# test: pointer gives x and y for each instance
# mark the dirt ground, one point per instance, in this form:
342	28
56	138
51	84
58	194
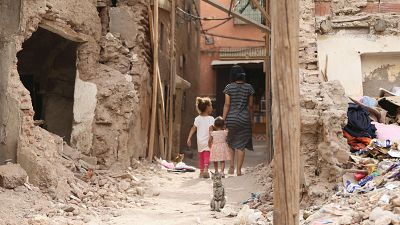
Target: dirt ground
184	198
168	198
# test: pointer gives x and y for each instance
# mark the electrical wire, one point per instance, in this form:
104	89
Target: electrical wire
198	15
218	25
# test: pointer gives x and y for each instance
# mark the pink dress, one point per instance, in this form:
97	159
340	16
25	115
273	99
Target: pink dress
219	148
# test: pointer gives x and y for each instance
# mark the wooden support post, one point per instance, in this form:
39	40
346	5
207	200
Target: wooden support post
172	81
268	89
161	116
286	111
154	94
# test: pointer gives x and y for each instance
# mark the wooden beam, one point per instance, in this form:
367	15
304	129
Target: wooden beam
268	96
238	15
154	93
171	81
286	111
262	10
160	94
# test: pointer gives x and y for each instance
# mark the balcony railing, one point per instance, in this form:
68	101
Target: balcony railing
242	53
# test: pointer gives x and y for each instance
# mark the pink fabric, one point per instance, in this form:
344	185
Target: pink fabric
219	149
387	132
204	159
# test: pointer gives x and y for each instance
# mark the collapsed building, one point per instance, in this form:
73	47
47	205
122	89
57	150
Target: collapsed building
347	48
78	74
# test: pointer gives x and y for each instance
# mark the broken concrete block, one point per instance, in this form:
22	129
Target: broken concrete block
12	176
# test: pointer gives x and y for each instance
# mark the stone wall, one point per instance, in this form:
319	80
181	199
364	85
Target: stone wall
323	114
111	93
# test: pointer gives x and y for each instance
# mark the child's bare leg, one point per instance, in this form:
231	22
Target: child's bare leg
216	167
222	166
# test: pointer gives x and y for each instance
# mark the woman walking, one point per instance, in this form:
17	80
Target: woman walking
238	114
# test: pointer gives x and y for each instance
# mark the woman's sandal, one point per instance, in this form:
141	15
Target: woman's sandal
231	171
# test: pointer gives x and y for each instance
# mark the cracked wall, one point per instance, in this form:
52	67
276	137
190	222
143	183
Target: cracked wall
112	79
324	103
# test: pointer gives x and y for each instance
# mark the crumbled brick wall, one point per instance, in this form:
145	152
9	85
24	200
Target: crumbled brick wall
323	113
117	131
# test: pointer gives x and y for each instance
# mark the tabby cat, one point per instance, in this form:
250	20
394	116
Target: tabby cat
218	201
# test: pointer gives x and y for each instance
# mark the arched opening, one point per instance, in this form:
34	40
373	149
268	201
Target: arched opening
47	68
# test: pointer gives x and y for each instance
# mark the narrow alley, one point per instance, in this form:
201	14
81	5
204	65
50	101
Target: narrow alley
113	111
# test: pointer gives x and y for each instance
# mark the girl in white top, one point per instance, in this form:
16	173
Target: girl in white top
202	125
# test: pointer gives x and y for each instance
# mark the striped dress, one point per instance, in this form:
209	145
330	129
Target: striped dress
238	119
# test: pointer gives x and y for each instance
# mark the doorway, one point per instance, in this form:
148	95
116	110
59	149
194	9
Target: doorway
47	68
254	76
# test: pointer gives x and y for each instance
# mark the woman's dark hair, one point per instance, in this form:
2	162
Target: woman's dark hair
202	104
219	122
237	74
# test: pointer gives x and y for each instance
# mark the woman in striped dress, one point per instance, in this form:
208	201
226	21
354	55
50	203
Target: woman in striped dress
238	110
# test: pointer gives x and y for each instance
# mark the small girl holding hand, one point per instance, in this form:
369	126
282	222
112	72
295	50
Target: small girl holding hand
219	146
202	125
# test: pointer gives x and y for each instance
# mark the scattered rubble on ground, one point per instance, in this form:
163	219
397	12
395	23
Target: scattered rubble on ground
92	194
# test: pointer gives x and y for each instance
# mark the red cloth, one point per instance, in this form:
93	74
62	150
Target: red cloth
356	143
204	159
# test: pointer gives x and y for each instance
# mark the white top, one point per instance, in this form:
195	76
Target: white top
203	124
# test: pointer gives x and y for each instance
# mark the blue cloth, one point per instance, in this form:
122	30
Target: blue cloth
368	101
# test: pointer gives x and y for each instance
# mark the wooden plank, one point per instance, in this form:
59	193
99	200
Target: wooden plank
161	109
171	81
160	93
238	15
286	111
268	97
154	93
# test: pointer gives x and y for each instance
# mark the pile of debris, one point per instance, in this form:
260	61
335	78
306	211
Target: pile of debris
368	194
92	191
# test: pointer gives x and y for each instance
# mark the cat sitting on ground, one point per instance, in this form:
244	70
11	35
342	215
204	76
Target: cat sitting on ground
218	200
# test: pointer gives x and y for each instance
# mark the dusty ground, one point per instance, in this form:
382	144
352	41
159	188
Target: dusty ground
168	199
184	198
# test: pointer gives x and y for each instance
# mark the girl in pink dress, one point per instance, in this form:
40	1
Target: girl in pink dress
219	146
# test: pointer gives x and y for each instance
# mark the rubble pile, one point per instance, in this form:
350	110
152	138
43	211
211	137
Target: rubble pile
91	193
380	205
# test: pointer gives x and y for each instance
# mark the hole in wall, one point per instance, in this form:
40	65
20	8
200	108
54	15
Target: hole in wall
47	68
114	3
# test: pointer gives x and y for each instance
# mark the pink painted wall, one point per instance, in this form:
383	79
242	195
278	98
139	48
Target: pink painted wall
210	52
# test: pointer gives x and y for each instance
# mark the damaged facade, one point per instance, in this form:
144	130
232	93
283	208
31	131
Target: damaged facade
346	48
76	73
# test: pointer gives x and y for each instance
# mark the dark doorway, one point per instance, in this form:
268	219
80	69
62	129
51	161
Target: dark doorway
47	68
256	77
